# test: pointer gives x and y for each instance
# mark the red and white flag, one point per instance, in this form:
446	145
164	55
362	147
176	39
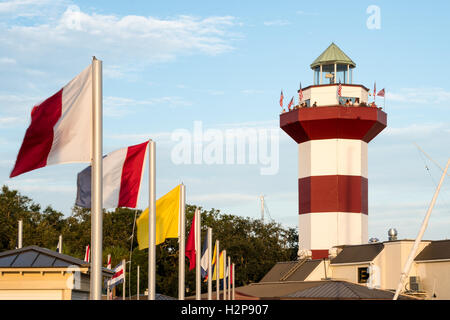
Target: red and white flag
119	275
108	262
374	90
300	94
281	99
123	170
339	89
61	128
381	93
87	254
291	103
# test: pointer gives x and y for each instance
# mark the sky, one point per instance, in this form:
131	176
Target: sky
177	68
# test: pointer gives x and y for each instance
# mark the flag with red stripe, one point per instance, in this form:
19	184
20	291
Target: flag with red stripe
381	93
60	129
340	89
122	175
300	93
87	254
291	103
281	99
119	275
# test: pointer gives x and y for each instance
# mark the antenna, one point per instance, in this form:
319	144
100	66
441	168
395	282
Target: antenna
261	197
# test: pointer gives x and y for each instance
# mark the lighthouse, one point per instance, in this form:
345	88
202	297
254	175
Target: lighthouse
332	126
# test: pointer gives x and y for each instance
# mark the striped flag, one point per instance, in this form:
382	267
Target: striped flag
381	93
60	129
291	103
374	90
339	89
204	259
281	99
87	254
122	176
108	262
300	94
119	275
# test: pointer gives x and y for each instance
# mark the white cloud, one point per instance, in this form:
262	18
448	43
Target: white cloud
278	23
120	39
422	96
7	61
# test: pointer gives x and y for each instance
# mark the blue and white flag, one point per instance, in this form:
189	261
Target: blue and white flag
204	258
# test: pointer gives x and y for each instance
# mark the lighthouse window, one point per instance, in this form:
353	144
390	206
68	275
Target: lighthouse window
328	74
341	73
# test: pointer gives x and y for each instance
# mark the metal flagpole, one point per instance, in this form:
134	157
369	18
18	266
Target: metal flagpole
412	254
60	243
198	252
96	182
224	274
182	246
124	266
19	234
152	222
209	263
229	279
234	276
137	294
217	270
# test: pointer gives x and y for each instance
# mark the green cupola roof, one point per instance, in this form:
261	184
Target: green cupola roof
333	55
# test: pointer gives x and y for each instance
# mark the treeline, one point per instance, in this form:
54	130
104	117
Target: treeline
252	245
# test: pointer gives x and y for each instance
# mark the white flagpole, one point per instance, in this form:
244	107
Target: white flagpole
124	266
182	245
217	270
224	274
412	254
234	277
96	183
209	263
229	279
152	222
60	244
198	252
137	294
19	234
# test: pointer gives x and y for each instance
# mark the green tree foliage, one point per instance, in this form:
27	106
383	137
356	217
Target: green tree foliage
253	246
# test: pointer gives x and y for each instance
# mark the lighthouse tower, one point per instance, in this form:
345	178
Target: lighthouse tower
332	129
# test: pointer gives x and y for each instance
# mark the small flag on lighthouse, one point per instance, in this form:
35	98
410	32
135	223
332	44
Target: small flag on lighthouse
381	93
87	254
281	99
291	103
60	129
374	90
339	89
300	94
122	175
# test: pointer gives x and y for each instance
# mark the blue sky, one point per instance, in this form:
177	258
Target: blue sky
170	63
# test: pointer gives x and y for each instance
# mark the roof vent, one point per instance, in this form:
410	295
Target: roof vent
392	234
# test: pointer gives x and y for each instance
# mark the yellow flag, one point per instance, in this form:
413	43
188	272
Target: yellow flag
167	216
221	268
214	254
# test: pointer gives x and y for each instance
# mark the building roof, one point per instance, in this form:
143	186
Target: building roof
37	257
358	253
325	289
280	269
436	250
333	55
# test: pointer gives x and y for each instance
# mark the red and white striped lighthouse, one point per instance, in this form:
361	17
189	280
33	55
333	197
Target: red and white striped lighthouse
333	126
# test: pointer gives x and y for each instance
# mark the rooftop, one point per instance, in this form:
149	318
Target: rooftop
333	54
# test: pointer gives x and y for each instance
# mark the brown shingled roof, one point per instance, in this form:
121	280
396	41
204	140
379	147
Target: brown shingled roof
358	253
436	250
